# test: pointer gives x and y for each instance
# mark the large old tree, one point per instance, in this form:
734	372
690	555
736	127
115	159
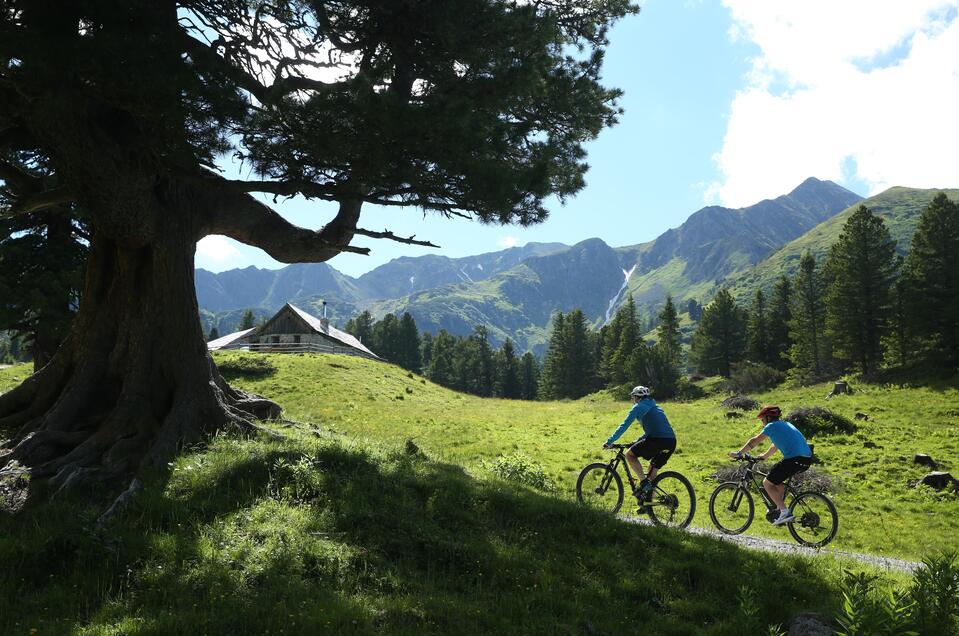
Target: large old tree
475	108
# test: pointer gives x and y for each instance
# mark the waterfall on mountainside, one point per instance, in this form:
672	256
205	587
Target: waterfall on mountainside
615	298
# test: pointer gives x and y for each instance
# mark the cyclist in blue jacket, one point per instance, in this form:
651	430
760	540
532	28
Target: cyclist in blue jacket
657	443
797	456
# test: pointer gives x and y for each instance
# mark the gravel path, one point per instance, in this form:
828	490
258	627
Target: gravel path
789	547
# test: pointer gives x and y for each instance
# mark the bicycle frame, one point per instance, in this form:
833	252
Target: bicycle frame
751	475
621	459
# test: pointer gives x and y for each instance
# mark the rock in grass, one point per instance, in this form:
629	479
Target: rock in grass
938	480
925	460
861	416
732	415
810	624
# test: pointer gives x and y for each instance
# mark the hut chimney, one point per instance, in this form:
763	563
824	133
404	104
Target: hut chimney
324	321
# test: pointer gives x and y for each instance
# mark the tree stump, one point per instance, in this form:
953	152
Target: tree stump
839	388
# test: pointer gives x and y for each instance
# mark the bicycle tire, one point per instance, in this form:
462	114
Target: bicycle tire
595	477
809	519
668	499
735	499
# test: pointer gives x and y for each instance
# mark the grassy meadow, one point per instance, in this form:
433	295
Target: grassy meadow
342	527
879	514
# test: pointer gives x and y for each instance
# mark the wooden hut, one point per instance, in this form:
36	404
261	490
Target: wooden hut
293	330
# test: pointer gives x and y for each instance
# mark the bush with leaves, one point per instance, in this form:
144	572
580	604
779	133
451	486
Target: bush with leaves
521	469
752	376
815	420
740	402
246	367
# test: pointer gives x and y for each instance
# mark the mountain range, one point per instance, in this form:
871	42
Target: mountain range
514	292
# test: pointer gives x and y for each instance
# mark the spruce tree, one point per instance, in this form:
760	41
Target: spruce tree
758	342
623	347
720	339
932	272
900	342
426	350
508	372
409	344
809	348
669	338
780	314
694	309
580	376
442	367
861	270
529	377
556	361
214	334
247	321
361	327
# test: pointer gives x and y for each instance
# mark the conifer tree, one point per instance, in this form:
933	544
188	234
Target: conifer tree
758	341
362	328
932	272
508	372
900	343
247	320
861	270
625	337
720	339
409	344
442	367
579	377
556	361
426	350
529	377
808	352
669	339
780	313
694	309
214	334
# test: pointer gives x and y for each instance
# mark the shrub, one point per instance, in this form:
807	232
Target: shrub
816	420
753	376
520	469
741	402
813	479
246	367
935	592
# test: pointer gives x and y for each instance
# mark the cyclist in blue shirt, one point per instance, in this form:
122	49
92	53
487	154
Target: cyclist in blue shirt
657	443
797	456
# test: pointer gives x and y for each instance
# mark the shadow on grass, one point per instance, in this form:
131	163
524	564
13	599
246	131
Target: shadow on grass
316	536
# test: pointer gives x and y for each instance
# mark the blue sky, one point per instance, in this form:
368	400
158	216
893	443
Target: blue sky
727	102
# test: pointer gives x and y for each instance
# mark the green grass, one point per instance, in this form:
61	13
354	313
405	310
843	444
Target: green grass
338	529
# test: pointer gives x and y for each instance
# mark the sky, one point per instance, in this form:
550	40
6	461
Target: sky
727	102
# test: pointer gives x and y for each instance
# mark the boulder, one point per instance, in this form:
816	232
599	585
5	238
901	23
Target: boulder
732	415
809	624
868	444
925	460
861	416
938	480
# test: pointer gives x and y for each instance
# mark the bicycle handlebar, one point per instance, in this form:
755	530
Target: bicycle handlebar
746	457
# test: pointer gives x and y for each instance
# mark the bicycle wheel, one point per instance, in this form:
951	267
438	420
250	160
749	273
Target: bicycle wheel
673	503
731	508
600	488
816	519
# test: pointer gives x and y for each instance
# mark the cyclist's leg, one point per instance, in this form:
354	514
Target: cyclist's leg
635	464
776	492
665	449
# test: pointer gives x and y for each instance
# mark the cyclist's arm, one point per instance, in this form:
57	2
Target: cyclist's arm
752	443
622	427
769	453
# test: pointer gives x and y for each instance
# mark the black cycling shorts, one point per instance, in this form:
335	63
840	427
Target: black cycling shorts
787	468
655	449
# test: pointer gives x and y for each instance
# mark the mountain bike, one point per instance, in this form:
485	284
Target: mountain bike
732	509
671	503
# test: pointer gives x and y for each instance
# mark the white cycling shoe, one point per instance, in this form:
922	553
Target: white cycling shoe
785	516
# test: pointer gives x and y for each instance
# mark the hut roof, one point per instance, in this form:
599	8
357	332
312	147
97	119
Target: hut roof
223	341
330	331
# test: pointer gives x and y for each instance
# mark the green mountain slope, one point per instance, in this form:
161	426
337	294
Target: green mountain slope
899	207
342	527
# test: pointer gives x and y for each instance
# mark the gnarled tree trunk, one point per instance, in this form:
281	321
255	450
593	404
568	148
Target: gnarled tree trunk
133	381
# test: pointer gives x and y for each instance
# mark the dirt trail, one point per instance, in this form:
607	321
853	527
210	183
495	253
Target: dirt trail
788	547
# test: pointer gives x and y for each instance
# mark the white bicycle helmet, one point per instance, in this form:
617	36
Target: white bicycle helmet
639	391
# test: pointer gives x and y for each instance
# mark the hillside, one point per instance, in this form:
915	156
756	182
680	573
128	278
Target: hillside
326	532
514	292
899	207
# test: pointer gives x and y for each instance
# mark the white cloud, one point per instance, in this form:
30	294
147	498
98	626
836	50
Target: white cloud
217	249
507	241
859	89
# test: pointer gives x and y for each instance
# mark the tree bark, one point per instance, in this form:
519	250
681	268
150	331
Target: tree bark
133	381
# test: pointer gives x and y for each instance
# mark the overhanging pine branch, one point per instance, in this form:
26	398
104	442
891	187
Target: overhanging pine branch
392	237
41	201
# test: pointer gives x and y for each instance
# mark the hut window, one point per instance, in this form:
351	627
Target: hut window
296	339
274	340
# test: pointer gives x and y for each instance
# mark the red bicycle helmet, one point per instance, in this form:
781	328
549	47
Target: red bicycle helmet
774	411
